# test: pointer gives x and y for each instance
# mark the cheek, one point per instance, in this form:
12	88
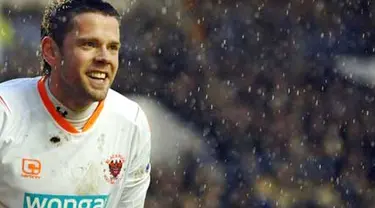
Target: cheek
82	57
73	66
80	61
116	61
116	64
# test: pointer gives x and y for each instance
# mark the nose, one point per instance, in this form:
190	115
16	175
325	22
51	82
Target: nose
103	55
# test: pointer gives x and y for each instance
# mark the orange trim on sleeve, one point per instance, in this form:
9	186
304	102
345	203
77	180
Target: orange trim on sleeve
59	118
4	104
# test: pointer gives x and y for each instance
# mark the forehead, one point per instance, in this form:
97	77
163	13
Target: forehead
95	24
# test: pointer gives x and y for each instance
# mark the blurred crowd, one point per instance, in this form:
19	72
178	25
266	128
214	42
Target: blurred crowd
260	81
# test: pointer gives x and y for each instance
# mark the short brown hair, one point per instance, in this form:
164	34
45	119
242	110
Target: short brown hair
58	16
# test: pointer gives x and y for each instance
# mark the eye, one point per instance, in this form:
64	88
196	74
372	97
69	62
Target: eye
89	44
114	47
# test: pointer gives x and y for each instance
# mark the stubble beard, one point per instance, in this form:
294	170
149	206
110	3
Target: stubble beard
93	94
80	90
80	93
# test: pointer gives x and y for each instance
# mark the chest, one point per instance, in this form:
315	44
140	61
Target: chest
44	159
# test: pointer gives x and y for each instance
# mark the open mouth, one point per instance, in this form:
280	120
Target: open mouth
97	75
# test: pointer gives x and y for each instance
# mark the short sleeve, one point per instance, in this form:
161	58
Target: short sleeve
138	178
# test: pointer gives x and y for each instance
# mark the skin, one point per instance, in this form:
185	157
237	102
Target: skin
91	46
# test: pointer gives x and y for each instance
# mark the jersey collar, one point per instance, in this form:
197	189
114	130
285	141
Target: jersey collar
60	120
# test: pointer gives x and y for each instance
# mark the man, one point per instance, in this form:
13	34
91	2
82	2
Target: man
66	138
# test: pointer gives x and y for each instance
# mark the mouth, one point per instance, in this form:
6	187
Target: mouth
98	80
97	75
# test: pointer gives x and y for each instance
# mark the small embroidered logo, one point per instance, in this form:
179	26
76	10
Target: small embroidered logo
113	172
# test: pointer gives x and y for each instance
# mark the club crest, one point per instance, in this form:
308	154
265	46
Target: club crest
114	168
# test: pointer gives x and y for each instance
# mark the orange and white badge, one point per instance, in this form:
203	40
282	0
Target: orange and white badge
31	168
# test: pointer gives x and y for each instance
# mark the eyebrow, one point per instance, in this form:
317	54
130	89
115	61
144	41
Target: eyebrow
84	39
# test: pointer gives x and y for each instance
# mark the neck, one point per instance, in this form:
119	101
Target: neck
74	103
77	118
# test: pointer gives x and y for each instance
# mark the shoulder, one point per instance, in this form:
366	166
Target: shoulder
15	97
16	93
127	108
18	83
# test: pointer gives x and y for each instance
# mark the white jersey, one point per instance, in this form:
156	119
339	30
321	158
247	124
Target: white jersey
46	163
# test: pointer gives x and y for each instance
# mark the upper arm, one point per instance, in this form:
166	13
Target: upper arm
137	178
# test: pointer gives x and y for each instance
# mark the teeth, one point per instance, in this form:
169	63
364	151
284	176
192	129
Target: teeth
97	75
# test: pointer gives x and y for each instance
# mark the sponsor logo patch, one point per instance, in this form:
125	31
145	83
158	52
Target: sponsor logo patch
64	201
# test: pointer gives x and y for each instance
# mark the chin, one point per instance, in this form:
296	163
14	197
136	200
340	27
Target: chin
98	96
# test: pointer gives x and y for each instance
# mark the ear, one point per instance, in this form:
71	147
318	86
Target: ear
50	51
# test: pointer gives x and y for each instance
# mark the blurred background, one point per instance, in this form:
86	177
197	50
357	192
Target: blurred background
257	103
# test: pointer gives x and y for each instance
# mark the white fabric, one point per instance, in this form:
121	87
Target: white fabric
73	173
77	119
